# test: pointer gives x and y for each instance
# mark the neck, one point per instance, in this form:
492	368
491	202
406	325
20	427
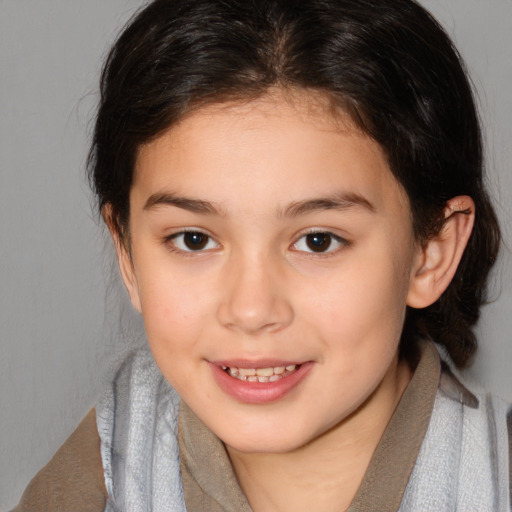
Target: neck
324	474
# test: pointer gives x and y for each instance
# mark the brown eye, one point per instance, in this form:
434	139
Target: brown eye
318	242
193	241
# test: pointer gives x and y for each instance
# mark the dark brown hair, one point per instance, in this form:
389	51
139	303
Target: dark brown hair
387	63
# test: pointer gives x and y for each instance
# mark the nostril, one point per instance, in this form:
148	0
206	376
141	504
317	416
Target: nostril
252	301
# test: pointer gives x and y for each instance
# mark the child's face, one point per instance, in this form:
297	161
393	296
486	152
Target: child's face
298	251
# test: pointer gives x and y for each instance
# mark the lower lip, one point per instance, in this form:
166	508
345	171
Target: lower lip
259	392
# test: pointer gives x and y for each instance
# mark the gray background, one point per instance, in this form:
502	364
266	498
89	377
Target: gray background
60	301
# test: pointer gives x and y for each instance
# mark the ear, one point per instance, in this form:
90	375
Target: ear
124	258
438	260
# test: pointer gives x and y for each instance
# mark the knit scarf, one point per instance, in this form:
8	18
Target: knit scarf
462	465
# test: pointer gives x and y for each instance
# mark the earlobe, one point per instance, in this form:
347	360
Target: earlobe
124	258
438	260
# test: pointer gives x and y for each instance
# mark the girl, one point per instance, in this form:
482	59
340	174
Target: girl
295	194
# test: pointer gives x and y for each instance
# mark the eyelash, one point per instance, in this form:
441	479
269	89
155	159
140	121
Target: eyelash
342	242
170	241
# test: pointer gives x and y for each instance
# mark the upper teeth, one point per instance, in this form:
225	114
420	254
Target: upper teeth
269	374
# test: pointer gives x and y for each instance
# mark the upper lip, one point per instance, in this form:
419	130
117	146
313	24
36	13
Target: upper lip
257	363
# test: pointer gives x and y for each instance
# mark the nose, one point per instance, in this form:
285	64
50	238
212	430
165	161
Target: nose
254	300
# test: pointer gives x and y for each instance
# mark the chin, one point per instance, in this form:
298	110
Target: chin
270	441
277	446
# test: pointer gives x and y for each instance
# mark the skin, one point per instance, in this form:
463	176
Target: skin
257	291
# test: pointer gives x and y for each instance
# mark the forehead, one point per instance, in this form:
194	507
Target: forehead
279	148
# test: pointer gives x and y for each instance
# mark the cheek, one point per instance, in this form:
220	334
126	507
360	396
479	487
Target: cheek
173	308
174	320
367	298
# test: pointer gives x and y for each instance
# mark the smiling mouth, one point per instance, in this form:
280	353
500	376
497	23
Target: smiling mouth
270	374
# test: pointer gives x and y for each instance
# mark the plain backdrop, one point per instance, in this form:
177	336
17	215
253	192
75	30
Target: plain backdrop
61	306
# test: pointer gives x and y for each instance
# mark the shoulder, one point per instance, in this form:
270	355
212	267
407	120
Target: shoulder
475	405
137	421
489	416
464	460
471	431
73	479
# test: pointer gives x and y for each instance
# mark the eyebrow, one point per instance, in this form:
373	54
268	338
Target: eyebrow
338	201
186	203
